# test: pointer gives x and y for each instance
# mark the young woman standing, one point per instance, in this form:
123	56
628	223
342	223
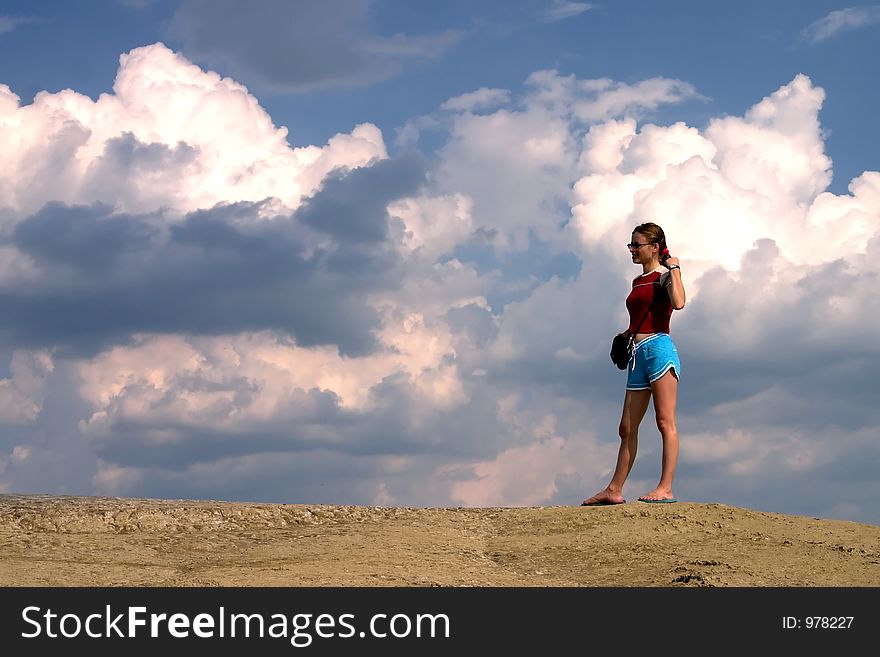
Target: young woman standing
654	368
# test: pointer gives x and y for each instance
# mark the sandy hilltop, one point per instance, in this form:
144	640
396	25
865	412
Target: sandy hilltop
92	541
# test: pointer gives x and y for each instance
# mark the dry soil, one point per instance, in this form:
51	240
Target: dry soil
92	541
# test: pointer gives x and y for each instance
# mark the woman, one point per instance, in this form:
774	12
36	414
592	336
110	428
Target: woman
654	367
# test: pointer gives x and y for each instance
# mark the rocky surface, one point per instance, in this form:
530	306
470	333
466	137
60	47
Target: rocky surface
93	541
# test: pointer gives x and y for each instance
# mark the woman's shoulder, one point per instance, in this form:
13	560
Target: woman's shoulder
650	277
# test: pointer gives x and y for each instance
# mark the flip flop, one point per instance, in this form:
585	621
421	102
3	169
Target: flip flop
602	503
657	501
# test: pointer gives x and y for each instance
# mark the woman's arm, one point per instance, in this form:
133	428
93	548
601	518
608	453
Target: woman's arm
674	284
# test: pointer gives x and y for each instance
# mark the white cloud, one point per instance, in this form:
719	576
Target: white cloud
481	99
743	179
840	21
516	164
169	136
22	394
562	9
249	382
434	225
519	476
607	99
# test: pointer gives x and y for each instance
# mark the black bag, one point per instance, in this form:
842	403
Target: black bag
621	350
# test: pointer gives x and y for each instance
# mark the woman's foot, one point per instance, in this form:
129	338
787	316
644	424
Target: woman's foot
603	498
658	495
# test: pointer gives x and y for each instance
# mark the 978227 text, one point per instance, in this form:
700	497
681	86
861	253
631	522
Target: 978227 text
817	622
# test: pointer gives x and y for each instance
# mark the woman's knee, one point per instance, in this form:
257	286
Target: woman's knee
666	424
626	433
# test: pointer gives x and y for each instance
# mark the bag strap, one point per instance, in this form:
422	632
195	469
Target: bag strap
645	316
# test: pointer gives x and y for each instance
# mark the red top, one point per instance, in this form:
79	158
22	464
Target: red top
644	289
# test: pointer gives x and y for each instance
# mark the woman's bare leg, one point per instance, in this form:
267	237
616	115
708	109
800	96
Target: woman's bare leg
665	390
635	404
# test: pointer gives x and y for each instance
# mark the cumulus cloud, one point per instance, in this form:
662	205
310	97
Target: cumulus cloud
102	276
517	162
122	216
299	45
840	21
144	263
749	177
169	136
194	307
753	187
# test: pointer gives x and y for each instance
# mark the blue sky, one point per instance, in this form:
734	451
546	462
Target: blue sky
370	252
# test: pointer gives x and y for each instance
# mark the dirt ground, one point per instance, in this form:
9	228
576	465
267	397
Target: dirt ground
90	541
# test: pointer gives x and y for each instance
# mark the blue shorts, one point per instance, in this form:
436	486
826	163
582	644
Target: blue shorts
652	358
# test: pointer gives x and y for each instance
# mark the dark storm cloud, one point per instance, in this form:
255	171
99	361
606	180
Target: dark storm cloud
127	161
297	45
311	420
351	208
474	323
87	239
104	276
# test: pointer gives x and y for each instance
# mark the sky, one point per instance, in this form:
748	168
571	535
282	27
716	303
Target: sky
372	251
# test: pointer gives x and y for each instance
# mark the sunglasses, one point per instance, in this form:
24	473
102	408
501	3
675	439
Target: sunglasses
634	246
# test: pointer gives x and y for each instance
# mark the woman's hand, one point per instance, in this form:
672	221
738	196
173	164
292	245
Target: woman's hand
676	285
